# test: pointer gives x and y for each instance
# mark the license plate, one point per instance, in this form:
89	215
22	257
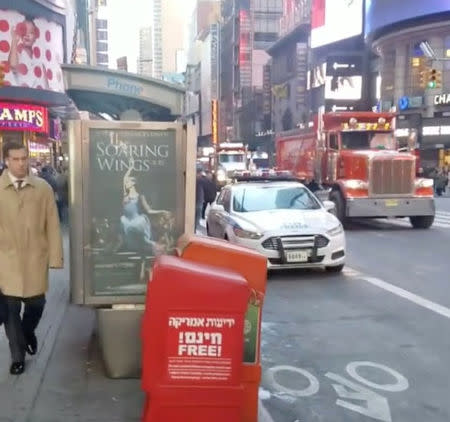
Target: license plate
297	256
391	203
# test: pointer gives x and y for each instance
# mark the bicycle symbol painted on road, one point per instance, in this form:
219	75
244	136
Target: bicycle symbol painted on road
348	391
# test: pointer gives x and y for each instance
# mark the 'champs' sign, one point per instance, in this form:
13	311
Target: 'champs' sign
23	117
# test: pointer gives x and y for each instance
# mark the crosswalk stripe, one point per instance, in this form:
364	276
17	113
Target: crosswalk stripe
439	222
405	223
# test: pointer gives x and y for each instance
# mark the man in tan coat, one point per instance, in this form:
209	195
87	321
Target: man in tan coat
30	244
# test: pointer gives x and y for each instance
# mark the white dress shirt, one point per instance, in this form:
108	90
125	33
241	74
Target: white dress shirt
15	180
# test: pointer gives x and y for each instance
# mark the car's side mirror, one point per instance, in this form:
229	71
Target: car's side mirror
330	206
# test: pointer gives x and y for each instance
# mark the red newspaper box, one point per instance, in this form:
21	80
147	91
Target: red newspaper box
253	266
192	342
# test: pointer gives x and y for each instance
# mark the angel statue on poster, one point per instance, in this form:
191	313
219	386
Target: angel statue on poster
135	222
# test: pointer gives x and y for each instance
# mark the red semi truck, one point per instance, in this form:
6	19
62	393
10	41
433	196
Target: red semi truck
355	155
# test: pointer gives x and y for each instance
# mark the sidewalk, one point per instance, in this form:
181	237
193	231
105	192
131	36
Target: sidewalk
65	381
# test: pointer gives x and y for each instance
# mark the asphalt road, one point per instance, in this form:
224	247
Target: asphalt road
371	344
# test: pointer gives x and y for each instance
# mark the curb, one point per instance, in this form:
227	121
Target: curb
263	414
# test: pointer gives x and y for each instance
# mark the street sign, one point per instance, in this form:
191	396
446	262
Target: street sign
343	105
342	108
442	99
344	66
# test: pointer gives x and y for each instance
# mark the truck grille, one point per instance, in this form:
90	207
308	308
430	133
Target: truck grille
295	242
392	177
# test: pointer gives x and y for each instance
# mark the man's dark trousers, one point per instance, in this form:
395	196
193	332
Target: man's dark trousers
3	309
19	329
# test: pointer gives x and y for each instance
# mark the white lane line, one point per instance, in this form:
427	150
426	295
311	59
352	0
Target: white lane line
405	294
438	222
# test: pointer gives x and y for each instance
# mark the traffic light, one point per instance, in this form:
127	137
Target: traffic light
2	74
438	79
434	79
424	77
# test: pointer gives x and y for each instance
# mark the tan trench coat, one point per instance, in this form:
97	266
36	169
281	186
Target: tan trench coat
30	237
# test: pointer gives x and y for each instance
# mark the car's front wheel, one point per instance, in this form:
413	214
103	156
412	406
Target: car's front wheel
335	268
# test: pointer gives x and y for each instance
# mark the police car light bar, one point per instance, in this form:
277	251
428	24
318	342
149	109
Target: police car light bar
265	176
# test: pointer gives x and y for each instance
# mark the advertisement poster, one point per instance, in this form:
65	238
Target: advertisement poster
343	88
31	50
132	204
328	17
201	349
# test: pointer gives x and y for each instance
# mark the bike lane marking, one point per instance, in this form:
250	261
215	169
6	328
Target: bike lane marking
402	383
351	395
398	291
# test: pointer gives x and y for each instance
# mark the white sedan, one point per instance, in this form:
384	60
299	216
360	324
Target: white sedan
282	220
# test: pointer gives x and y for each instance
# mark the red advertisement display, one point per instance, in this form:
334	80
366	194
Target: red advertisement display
200	348
23	117
192	342
31	50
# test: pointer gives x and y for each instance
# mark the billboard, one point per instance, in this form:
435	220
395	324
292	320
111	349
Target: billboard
32	51
343	87
381	13
20	117
335	20
135	220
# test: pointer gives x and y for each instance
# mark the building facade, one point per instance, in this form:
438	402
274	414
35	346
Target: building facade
145	58
92	34
249	27
403	72
101	39
167	38
202	76
290	101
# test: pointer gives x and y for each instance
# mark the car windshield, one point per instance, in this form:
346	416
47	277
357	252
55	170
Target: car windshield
367	140
256	198
231	158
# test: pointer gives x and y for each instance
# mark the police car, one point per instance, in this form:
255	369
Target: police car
280	218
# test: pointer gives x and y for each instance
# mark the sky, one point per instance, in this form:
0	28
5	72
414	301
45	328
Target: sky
125	18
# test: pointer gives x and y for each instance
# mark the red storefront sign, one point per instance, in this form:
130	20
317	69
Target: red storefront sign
200	348
23	117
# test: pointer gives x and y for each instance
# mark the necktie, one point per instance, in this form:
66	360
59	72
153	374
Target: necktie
19	184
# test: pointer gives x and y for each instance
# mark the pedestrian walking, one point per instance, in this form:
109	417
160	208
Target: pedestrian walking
62	194
30	244
440	182
199	197
210	192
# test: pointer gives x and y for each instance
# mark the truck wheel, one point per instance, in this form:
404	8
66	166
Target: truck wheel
338	200
422	221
